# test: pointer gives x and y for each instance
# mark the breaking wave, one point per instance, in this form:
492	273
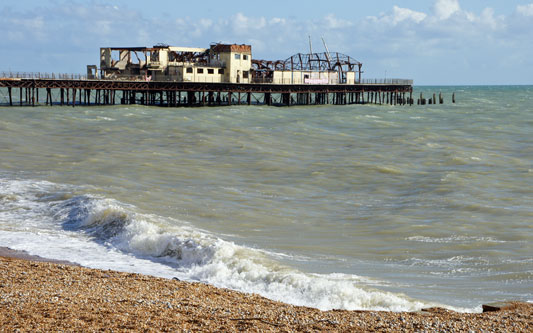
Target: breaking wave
193	254
203	257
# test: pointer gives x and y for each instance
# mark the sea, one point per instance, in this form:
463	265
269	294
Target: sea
357	207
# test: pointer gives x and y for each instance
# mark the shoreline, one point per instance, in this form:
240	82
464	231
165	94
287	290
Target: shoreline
41	294
18	254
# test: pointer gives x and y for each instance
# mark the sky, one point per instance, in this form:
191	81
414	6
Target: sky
433	42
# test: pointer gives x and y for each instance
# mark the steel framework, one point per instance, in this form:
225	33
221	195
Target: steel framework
315	62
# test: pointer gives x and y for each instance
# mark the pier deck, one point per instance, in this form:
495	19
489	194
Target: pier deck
79	91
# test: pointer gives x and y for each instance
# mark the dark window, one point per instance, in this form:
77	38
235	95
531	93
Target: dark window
200	71
210	71
221	71
245	57
189	69
245	74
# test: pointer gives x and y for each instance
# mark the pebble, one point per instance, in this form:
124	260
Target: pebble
72	298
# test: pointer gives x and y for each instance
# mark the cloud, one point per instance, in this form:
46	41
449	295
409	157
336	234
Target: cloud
445	8
526	10
404	14
332	22
402	39
397	16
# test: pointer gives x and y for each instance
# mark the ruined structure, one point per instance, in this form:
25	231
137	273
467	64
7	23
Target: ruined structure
224	63
219	64
223	74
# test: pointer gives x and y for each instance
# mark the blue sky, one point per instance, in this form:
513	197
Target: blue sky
430	41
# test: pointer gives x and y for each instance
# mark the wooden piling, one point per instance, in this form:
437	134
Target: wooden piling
169	93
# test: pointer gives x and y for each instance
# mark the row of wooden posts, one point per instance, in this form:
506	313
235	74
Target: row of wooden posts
423	101
204	98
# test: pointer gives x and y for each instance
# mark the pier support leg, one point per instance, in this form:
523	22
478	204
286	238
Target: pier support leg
268	99
10	97
286	99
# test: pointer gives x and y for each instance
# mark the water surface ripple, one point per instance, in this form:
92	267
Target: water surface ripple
434	202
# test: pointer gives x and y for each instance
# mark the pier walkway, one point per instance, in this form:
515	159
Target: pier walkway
76	90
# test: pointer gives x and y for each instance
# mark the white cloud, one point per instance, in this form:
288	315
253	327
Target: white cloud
397	16
404	14
277	20
445	8
526	10
488	18
332	22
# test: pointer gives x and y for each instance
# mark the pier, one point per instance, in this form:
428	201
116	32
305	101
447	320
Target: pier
76	90
223	74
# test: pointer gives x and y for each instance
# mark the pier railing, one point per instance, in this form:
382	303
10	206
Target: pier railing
387	81
39	75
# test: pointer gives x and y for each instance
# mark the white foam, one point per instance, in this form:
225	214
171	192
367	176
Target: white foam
462	239
103	233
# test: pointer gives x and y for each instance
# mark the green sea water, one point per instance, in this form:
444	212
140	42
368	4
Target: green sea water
426	203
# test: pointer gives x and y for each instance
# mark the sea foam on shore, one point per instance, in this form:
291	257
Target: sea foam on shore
104	233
